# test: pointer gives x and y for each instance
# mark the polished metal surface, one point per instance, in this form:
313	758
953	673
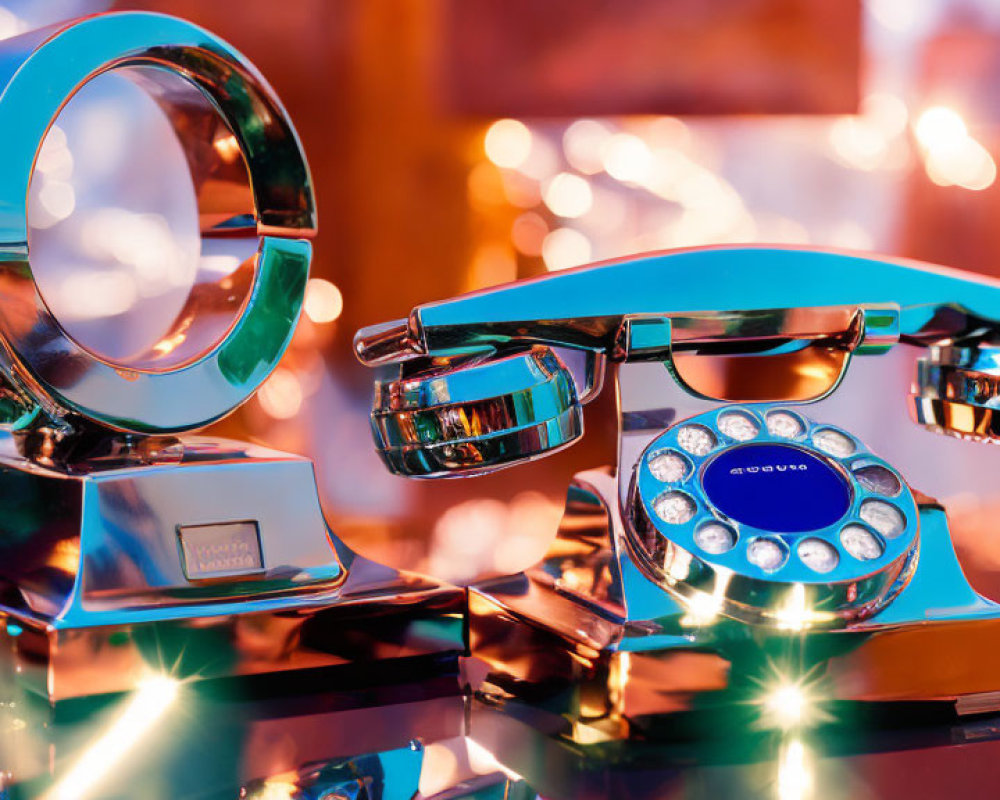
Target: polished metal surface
128	552
957	391
98	587
477	416
724	578
896	755
590	634
241	650
586	306
757	326
218	103
636	626
375	736
415	740
107	545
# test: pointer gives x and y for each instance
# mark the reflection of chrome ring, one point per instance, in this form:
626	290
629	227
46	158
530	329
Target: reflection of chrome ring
39	73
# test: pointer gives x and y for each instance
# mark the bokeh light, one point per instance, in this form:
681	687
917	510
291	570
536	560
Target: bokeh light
568	195
564	248
584	142
627	158
508	143
281	395
940	127
528	233
952	157
10	23
323	301
493	263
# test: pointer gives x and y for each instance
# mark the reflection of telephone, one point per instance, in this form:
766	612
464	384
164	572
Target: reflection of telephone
722	539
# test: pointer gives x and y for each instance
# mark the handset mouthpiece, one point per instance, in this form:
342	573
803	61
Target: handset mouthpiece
388	343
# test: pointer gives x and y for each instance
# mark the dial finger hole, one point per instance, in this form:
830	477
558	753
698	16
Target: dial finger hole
669	466
737	425
818	555
878	479
696	439
768	554
883	517
715	538
784	425
861	543
674	508
833	442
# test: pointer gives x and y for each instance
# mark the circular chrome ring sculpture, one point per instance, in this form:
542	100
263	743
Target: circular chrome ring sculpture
765	515
481	415
39	73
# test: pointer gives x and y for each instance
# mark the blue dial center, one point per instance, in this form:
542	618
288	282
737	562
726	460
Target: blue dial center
776	487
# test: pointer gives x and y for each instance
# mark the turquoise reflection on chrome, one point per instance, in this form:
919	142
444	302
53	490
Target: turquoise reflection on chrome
705	279
39	72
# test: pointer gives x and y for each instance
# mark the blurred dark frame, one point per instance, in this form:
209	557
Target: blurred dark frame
574	58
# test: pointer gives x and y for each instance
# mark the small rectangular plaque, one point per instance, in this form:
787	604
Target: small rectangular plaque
221	550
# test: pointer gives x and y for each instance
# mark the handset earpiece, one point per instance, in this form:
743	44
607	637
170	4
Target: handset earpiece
448	417
956	390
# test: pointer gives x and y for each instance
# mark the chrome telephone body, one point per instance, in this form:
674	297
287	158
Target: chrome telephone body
734	550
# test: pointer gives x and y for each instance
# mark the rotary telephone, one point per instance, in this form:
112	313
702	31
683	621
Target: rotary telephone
748	541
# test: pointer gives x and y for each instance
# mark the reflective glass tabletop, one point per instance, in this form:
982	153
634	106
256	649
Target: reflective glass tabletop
361	734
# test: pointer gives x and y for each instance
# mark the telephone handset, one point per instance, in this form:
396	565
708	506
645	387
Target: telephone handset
757	513
480	387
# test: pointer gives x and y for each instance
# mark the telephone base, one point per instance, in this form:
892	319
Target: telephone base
204	559
586	633
397	622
